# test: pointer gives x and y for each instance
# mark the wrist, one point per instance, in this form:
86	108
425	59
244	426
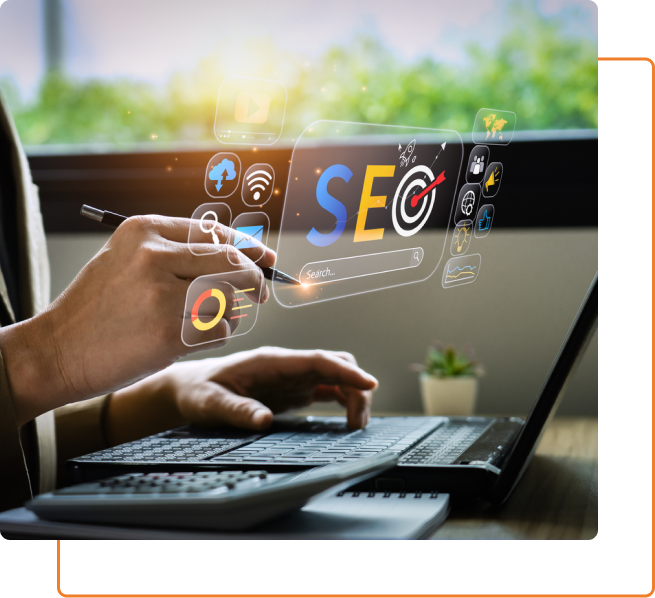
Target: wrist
144	408
35	380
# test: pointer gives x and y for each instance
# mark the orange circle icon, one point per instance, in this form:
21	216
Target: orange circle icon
195	318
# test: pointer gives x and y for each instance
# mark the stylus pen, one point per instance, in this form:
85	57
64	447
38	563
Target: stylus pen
114	220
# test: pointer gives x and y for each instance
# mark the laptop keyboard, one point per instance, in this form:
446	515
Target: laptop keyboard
445	444
418	441
165	450
395	434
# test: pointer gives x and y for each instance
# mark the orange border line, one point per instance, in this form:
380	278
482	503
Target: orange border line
600	59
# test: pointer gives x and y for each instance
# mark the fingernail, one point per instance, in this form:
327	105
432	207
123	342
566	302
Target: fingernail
260	416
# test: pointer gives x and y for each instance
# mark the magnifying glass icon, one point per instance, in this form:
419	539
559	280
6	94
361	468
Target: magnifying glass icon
213	225
416	256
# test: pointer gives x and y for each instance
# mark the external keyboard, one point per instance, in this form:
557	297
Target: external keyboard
227	500
180	483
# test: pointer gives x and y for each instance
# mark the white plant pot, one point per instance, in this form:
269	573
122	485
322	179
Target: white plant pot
449	396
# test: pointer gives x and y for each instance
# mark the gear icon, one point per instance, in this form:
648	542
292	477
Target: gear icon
468	201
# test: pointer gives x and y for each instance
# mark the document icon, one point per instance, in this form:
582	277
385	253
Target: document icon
243	239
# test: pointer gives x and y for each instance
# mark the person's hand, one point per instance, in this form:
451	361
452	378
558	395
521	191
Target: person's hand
121	318
244	390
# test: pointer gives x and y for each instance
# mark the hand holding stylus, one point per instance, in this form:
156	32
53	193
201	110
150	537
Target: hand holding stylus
120	319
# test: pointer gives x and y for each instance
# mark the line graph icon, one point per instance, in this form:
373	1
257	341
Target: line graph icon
461	270
258	184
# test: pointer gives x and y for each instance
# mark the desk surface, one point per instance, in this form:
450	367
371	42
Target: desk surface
557	498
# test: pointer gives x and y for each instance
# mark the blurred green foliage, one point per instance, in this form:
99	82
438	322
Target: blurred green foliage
549	78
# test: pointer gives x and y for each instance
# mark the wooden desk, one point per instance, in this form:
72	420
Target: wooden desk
557	498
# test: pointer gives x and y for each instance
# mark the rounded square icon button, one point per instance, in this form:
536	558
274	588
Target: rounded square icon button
492	179
221	306
258	182
467	202
462	236
222	174
461	270
204	229
484	220
250	111
250	233
494	127
477	164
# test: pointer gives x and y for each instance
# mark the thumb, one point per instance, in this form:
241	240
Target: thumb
222	406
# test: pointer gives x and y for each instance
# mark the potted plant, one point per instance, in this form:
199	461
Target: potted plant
449	380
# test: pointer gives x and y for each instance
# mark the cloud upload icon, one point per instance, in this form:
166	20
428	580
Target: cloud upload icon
225	168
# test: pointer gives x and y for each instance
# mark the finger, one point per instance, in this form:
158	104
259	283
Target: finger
328	392
253	249
220	335
326	366
177	231
247	275
221	406
356	402
346	356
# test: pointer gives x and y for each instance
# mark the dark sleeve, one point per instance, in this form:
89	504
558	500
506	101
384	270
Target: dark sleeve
15	484
79	431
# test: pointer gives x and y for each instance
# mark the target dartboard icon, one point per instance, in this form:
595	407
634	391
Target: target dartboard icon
412	191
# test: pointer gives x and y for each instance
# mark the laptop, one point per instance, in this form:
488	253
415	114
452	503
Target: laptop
476	457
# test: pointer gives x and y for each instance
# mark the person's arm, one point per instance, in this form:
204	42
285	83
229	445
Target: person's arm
120	319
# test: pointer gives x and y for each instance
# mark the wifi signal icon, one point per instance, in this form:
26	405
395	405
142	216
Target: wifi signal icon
259	181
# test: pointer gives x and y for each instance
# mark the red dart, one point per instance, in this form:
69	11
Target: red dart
440	179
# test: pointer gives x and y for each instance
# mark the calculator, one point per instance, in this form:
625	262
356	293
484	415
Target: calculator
220	500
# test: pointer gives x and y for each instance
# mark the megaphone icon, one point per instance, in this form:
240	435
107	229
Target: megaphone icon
491	180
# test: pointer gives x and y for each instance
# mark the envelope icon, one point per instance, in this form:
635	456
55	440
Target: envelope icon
243	239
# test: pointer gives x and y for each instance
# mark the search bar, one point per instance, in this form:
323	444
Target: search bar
360	265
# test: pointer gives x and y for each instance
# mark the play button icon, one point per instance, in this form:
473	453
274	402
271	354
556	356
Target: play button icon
249	111
252	107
